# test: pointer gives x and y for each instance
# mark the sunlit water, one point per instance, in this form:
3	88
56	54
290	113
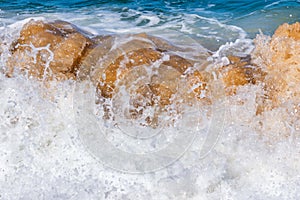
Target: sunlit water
42	154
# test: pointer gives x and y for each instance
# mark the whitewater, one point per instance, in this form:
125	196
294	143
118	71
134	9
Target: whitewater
234	153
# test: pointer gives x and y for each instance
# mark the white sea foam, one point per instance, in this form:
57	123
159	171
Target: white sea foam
103	22
42	156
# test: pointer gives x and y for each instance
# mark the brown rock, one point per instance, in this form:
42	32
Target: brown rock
289	31
149	68
198	85
150	73
239	72
137	52
92	64
121	65
279	57
179	63
48	50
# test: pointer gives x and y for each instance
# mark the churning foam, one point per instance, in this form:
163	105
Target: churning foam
43	156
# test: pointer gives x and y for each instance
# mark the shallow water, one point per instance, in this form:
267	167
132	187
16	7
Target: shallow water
44	155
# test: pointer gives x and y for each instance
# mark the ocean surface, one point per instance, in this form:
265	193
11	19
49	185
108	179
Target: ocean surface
212	23
43	154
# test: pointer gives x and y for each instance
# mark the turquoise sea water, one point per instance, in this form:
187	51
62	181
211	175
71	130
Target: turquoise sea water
212	23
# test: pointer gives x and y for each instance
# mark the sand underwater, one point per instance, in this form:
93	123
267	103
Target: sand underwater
149	100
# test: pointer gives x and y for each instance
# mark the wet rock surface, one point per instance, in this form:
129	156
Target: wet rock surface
48	50
152	71
240	71
279	58
149	68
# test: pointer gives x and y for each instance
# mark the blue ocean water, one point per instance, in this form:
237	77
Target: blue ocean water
212	23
